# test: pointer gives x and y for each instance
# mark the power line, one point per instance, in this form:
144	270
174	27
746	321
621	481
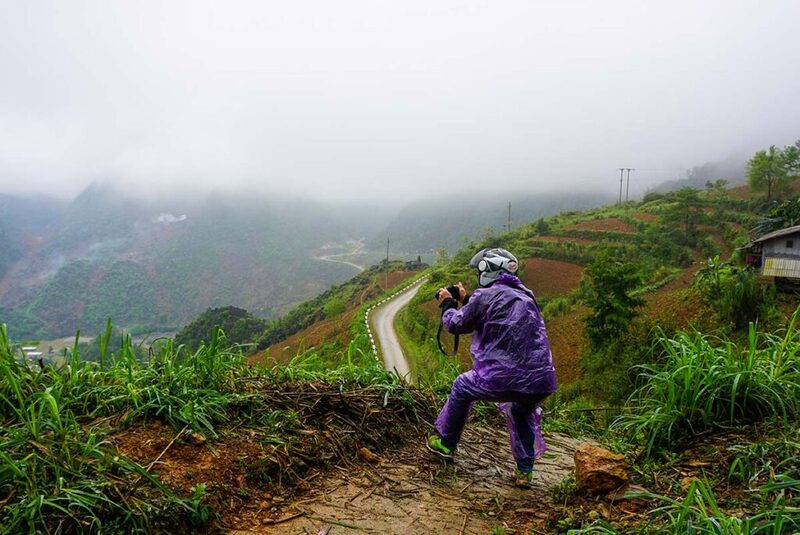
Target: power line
621	169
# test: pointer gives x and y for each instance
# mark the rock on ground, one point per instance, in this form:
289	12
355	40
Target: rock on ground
598	470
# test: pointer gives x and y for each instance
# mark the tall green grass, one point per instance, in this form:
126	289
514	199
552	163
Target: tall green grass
56	472
707	383
700	513
59	473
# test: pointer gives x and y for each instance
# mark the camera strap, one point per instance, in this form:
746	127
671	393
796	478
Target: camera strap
439	341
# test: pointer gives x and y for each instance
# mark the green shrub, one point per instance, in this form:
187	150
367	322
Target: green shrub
239	326
607	286
557	306
610	371
707	382
736	294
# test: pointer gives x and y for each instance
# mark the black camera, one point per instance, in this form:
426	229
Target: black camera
454	292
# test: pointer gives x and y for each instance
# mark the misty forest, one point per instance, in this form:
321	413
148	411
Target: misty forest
371	267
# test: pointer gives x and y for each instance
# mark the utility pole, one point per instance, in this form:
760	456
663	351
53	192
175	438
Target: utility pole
509	216
621	169
628	182
386	285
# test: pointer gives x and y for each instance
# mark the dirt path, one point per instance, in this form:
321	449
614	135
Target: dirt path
408	490
383	322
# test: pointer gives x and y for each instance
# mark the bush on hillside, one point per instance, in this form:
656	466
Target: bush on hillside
683	216
655	242
607	286
239	326
610	371
736	294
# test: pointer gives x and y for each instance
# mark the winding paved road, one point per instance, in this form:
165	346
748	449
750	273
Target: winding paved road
383	321
333	257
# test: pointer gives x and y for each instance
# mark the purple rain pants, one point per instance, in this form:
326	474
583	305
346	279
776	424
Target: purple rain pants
522	413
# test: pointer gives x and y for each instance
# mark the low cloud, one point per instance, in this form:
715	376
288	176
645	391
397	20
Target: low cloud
378	99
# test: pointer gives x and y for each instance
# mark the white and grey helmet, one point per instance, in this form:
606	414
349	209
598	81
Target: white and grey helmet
491	263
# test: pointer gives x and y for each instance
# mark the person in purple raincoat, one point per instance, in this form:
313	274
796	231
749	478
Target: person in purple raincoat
512	363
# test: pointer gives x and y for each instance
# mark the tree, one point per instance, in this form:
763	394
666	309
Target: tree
333	309
771	170
783	215
239	326
542	227
718	187
607	286
684	214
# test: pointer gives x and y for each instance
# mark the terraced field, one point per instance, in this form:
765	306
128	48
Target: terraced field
564	239
568	341
550	278
673	304
647	218
612	224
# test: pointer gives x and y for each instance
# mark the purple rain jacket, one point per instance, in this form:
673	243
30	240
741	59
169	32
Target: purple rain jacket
510	348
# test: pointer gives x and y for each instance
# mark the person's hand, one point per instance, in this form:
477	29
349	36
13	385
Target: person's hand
462	293
443	294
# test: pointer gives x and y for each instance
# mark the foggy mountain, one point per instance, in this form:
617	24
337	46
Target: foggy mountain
23	220
154	262
158	263
733	169
447	222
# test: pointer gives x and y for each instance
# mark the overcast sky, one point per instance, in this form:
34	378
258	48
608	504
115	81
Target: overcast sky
387	98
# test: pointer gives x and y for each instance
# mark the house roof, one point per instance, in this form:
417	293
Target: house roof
776	234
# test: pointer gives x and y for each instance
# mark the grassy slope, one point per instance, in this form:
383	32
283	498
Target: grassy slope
325	319
552	265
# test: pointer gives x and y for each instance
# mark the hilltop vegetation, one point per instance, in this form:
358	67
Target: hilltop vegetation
660	239
239	326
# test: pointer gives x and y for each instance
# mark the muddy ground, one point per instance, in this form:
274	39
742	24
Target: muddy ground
399	489
407	490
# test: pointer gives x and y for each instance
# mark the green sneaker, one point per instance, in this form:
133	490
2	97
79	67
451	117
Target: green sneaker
523	479
435	446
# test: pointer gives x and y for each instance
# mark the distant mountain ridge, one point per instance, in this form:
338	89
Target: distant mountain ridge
23	223
447	222
156	264
151	264
733	169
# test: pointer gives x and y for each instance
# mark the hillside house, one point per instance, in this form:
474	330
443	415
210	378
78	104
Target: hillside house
777	253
